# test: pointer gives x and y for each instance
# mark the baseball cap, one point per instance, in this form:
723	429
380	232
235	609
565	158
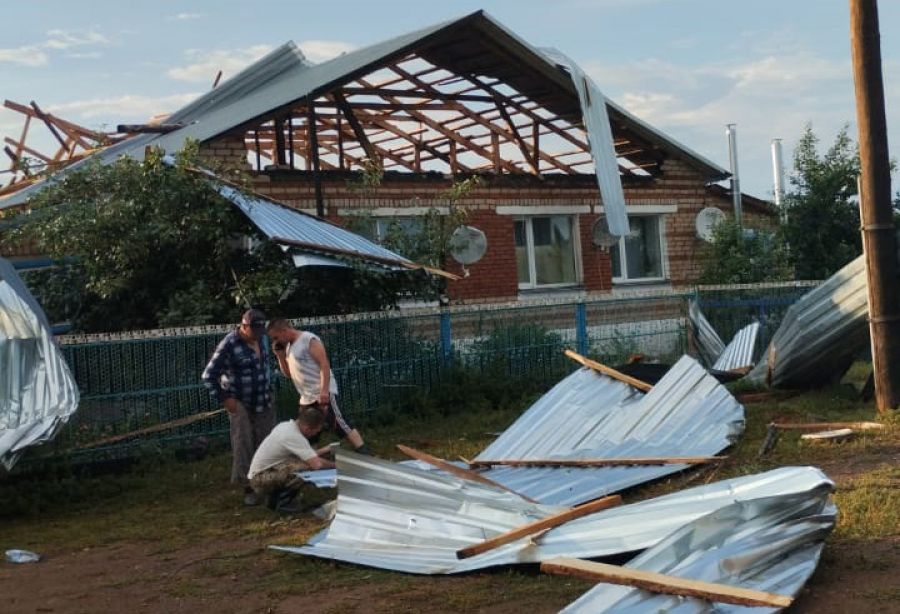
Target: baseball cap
254	318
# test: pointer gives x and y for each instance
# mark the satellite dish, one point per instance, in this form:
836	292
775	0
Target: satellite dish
706	220
467	245
600	234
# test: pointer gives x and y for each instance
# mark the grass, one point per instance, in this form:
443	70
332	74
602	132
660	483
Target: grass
188	515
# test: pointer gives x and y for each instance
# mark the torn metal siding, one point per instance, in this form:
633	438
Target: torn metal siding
405	519
587	415
820	334
770	544
709	345
37	391
740	352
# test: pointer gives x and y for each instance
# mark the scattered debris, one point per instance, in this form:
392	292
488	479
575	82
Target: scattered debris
775	428
769	545
22	556
832	436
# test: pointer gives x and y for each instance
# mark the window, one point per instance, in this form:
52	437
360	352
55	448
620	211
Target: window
378	229
546	251
639	255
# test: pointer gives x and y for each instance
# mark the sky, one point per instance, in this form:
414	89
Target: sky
689	67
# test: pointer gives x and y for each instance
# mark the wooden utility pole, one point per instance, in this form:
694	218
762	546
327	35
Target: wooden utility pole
879	238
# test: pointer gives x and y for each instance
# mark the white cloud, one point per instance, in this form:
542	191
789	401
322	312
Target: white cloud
85	55
66	39
206	64
768	95
122	108
28	55
320	51
185	16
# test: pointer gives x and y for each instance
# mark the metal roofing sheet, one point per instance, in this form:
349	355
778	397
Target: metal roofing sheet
740	352
709	344
403	518
37	391
588	415
770	544
280	222
820	334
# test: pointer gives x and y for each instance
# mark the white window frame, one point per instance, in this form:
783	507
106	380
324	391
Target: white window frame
529	248
623	279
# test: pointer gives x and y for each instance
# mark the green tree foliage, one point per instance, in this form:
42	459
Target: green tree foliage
737	256
152	245
823	216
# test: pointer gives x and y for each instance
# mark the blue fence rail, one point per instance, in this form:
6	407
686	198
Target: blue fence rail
135	380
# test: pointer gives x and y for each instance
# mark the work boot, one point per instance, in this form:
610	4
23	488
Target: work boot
286	503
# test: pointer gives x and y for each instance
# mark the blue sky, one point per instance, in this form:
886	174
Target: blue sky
687	66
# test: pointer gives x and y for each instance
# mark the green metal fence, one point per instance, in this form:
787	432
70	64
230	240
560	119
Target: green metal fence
135	380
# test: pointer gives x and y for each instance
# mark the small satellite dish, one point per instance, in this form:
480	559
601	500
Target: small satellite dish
706	220
600	234
467	245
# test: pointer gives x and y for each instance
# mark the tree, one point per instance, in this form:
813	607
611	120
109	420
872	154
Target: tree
737	256
151	244
822	229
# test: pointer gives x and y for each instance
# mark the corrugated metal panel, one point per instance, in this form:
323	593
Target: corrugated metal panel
405	519
740	351
587	415
37	391
278	221
603	151
770	544
820	334
709	344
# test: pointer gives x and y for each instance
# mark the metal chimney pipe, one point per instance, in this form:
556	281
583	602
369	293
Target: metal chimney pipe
778	174
731	132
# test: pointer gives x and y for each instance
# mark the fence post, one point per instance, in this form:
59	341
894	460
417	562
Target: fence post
581	336
446	337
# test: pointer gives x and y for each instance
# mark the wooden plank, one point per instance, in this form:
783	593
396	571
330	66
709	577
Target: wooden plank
824	426
153	429
609	371
459	472
43	117
358	131
664	584
601	462
539	525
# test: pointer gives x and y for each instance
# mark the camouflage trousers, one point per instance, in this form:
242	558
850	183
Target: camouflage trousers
248	429
280	476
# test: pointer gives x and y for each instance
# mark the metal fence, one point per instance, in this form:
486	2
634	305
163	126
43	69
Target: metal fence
134	380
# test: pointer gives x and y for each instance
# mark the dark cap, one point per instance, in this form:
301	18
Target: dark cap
254	318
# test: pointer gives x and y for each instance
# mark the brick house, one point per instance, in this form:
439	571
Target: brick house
459	99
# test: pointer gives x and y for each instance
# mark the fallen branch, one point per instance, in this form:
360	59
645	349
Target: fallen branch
825	426
665	584
539	525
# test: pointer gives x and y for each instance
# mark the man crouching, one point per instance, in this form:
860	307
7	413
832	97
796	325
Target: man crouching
285	452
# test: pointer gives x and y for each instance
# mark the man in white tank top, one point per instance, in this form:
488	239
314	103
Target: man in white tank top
301	356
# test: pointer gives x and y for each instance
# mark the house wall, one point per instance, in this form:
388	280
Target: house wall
494	277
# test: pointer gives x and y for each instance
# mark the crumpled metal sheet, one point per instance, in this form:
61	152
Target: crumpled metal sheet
37	390
405	519
740	352
709	345
588	415
820	334
769	544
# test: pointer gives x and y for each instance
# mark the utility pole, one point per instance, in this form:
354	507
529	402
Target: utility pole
879	239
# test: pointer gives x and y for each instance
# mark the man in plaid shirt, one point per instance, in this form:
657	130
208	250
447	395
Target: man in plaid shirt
238	377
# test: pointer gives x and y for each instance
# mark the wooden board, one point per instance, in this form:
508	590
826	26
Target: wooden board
539	525
609	371
661	583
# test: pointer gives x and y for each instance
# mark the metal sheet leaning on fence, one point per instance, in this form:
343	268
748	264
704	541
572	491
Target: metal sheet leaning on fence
238	376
